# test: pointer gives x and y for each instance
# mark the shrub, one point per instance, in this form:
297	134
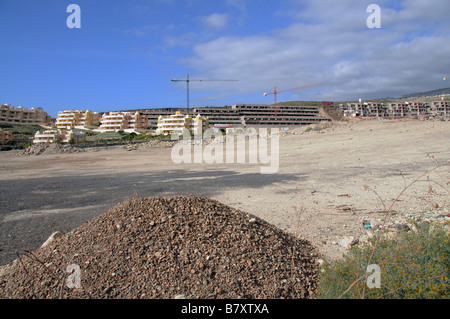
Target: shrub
415	265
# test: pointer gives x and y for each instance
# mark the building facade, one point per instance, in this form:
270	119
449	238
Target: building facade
137	121
59	136
177	123
5	137
77	119
396	109
22	115
122	121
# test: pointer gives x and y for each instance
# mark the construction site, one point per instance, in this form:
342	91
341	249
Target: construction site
144	220
140	226
243	115
225	158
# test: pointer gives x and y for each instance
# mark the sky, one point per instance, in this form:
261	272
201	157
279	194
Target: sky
125	53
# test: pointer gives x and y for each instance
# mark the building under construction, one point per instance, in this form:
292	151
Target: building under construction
396	109
247	115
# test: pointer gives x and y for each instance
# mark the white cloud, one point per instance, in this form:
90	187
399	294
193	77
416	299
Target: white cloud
330	43
216	20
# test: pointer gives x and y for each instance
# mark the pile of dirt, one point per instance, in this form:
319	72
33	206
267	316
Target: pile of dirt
149	144
47	148
167	247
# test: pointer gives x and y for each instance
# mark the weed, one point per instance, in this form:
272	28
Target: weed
414	265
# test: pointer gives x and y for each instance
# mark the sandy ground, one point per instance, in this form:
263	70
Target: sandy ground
330	178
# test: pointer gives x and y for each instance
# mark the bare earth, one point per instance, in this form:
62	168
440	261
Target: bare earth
331	177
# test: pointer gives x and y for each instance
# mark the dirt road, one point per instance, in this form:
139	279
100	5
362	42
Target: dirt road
331	177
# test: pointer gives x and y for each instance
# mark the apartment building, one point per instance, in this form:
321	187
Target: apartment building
138	121
178	122
123	121
5	137
22	115
85	119
61	136
199	124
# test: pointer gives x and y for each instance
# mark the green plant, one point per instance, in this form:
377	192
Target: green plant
413	266
129	137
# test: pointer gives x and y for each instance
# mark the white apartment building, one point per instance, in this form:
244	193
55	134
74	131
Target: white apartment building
178	122
123	121
199	124
62	136
114	121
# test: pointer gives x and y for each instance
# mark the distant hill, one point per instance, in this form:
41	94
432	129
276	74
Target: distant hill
428	93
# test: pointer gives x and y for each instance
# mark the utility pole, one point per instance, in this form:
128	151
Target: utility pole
445	104
187	80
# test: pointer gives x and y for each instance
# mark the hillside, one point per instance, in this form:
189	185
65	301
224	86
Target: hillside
428	93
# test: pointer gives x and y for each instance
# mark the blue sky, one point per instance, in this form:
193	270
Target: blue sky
126	52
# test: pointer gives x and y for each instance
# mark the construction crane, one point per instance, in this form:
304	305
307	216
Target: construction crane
187	80
275	92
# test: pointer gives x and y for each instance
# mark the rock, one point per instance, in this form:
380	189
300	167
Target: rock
47	148
203	249
52	237
401	227
348	241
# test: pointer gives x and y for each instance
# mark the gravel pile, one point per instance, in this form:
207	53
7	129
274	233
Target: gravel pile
149	144
167	247
47	148
165	144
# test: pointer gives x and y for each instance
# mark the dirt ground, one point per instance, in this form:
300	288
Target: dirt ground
331	177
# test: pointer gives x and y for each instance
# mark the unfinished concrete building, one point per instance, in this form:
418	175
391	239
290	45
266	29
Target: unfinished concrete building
396	109
240	115
264	115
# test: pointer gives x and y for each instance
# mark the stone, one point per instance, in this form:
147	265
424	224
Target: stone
52	237
193	241
347	242
401	227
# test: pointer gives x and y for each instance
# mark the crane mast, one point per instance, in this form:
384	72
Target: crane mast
187	80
